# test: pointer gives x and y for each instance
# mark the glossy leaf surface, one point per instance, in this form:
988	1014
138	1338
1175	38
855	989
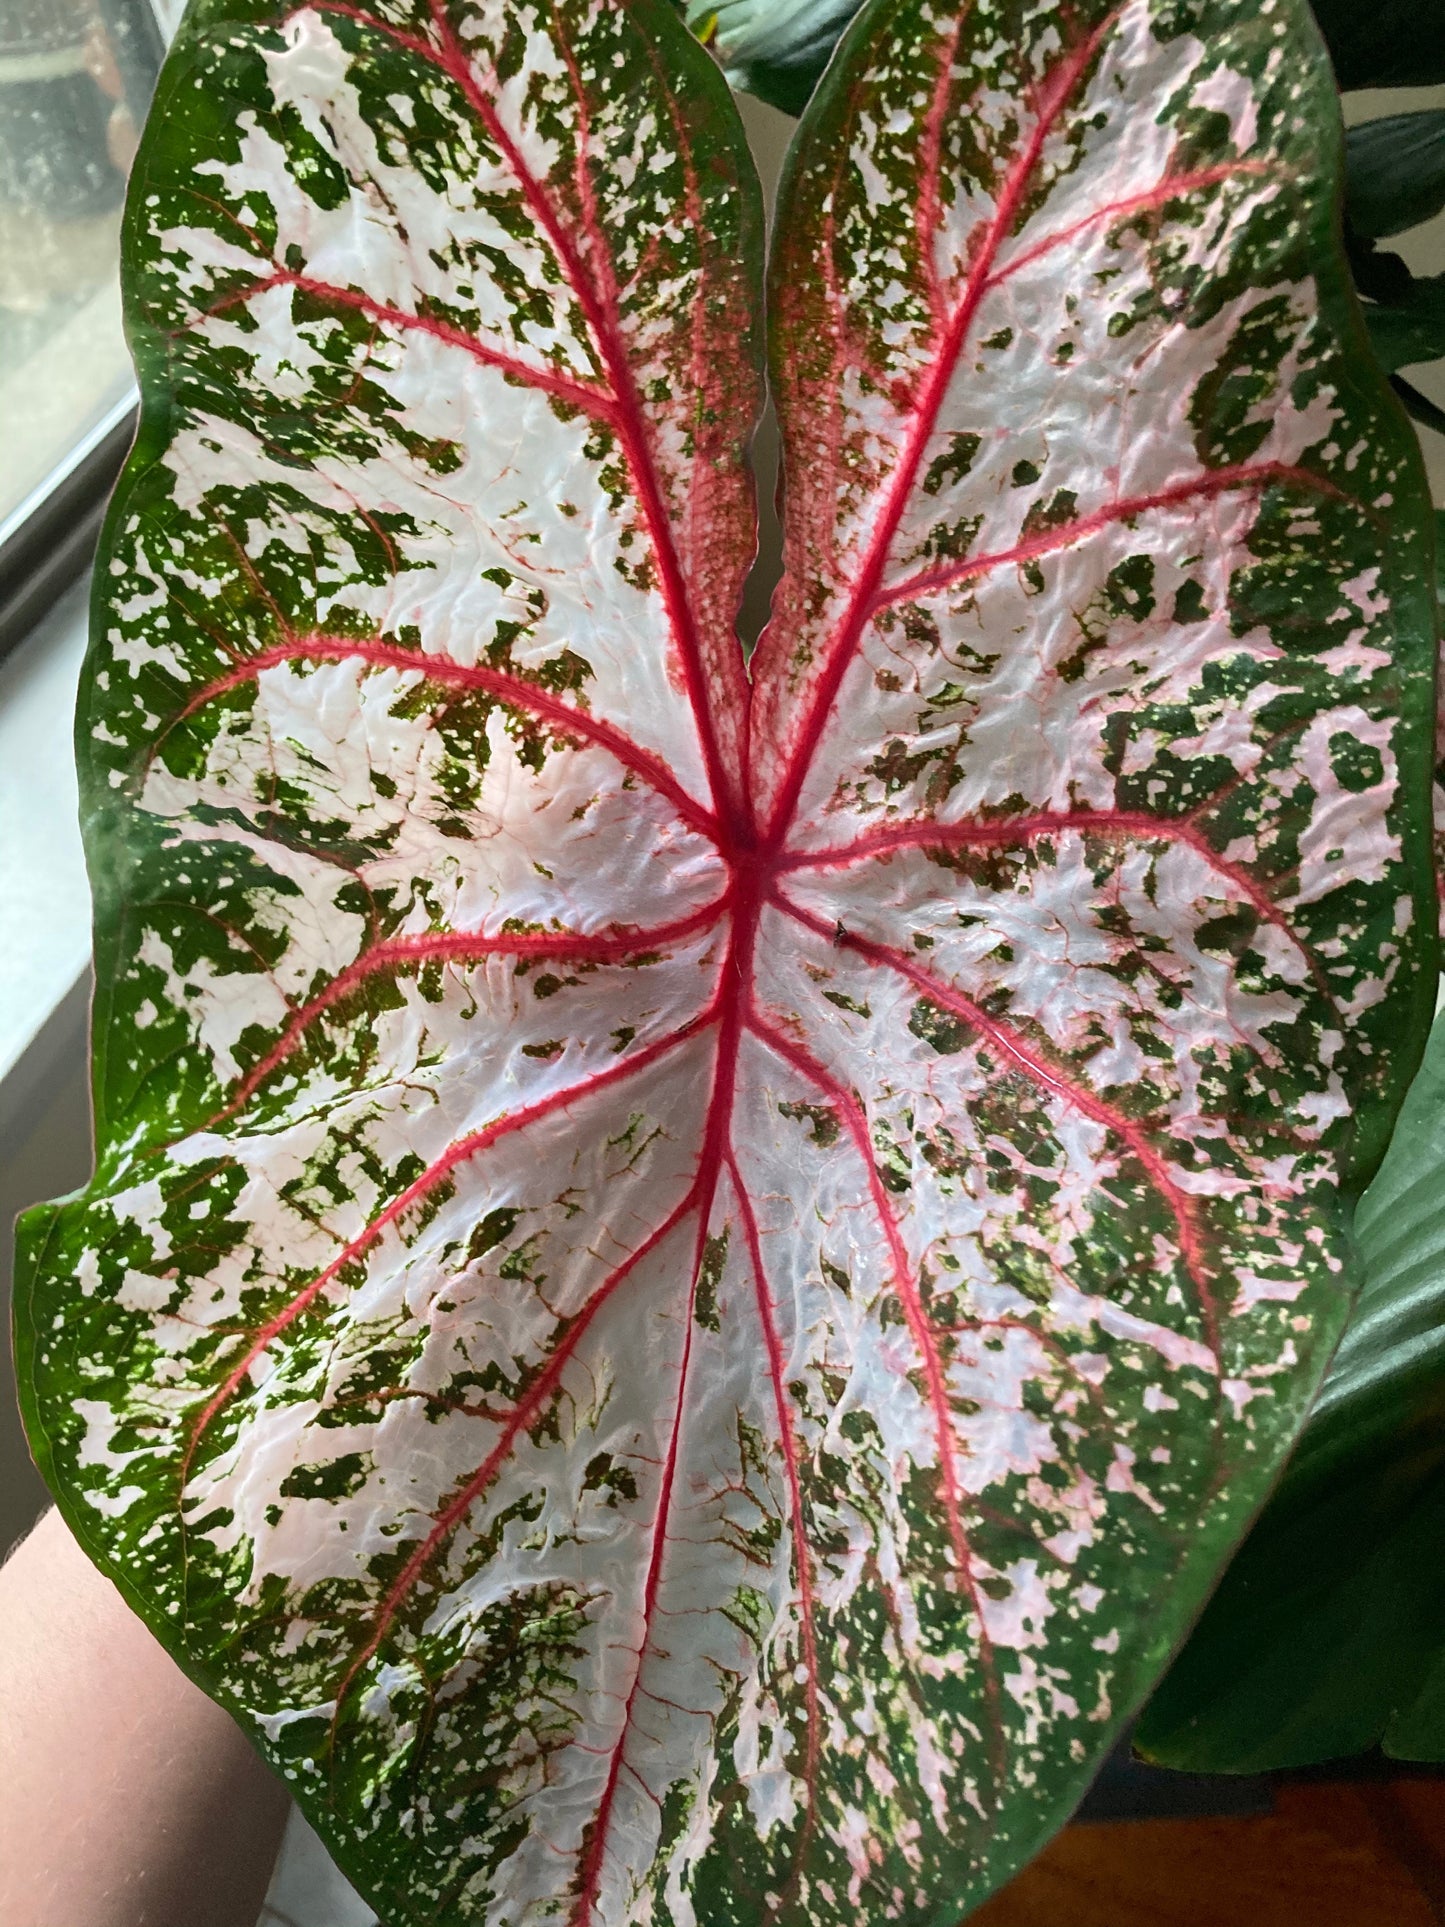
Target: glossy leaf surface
1325	1637
1395	172
775	49
689	1281
1411	330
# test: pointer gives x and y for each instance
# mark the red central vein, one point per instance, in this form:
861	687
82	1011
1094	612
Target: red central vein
594	401
737	971
802	1550
1053	98
457	1153
462	946
1219	481
591	284
1051	1078
510	690
1009	831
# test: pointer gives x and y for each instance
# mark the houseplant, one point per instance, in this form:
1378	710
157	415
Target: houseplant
694	1268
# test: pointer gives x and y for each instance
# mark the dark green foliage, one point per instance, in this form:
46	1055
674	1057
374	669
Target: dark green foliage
1394	173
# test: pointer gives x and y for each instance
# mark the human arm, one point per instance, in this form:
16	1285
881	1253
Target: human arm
130	1799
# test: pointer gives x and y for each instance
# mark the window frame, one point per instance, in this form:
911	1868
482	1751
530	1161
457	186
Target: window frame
49	539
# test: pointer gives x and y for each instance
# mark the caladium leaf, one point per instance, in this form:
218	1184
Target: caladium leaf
688	1281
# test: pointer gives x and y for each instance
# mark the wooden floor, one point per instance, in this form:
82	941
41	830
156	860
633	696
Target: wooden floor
1370	1855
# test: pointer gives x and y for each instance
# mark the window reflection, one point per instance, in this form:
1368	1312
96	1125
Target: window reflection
75	79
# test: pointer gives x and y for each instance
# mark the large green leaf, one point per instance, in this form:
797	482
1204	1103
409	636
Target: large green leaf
1388	43
1395	173
1412	329
774	49
688	1282
1328	1633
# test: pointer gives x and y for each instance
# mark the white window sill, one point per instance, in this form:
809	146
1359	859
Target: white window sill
45	925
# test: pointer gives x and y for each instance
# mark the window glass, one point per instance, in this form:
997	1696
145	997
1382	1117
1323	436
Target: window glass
75	80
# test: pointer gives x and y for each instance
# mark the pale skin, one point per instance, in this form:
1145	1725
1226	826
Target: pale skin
130	1800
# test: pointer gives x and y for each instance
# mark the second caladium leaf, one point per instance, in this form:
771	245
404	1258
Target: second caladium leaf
689	1278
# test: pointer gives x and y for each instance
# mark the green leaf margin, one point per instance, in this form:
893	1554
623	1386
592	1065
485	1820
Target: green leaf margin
1328	1632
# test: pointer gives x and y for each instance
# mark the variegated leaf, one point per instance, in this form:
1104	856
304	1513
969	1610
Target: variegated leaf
689	1280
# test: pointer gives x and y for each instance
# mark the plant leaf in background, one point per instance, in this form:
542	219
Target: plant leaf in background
1394	173
1327	1634
1412	329
688	1282
774	49
1391	43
